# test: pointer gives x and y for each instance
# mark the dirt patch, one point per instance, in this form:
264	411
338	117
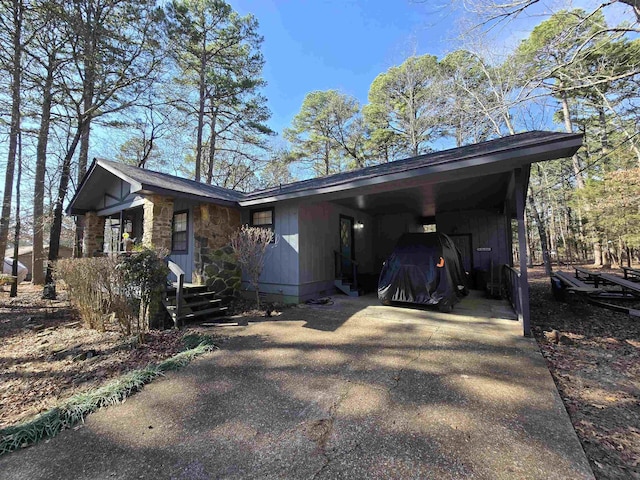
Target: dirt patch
46	354
594	357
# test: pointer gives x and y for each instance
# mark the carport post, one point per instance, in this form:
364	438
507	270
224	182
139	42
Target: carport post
522	249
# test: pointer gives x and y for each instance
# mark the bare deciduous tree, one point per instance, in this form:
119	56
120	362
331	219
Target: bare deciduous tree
251	246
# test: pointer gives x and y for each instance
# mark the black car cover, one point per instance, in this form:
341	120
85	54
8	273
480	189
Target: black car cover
424	268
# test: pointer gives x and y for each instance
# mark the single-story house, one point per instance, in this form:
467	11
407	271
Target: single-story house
328	227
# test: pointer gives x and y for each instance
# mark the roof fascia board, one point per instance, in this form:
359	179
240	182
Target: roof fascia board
150	190
70	210
524	153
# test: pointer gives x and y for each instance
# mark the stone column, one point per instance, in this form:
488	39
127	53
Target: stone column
213	258
158	215
93	239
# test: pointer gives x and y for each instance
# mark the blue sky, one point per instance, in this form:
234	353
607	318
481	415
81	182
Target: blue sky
340	44
344	44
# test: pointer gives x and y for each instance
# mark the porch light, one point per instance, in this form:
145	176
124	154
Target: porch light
358	225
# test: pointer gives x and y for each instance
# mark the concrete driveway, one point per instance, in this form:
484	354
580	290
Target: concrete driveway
349	390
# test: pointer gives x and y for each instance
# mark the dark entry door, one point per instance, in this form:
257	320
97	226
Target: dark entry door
347	251
463	242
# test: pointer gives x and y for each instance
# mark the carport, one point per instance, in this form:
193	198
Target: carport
476	194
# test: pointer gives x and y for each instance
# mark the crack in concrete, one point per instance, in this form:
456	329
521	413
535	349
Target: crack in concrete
331	458
328	430
398	377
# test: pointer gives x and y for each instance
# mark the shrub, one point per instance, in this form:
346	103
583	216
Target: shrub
144	273
97	290
113	288
251	245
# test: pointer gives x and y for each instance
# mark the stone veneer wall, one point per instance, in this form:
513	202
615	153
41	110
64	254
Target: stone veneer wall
214	263
158	215
93	238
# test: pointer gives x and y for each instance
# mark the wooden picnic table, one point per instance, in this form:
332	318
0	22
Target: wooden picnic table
631	274
574	284
569	283
586	275
626	285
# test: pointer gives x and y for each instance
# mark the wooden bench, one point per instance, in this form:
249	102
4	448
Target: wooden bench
631	274
584	275
626	285
574	284
568	282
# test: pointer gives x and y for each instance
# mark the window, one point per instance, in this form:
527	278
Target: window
428	225
179	238
264	218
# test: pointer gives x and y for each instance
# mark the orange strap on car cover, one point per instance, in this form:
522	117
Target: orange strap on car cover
440	263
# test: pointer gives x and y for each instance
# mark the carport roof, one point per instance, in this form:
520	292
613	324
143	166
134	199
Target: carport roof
514	151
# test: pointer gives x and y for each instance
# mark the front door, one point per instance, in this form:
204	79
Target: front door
347	251
463	242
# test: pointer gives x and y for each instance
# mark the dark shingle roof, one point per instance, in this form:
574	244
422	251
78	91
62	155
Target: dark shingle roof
148	181
502	144
157	181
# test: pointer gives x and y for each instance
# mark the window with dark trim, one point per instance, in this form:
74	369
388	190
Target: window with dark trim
264	218
179	232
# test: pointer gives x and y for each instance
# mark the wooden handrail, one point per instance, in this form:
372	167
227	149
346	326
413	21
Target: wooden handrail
179	273
344	256
514	297
514	270
338	266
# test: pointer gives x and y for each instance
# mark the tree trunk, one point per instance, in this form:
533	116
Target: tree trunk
201	108
16	238
56	225
597	254
41	169
89	41
212	144
541	232
528	244
568	125
16	79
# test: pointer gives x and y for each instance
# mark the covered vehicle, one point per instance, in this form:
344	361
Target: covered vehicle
424	268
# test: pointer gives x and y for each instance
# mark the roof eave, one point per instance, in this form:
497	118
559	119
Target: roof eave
570	144
151	189
135	186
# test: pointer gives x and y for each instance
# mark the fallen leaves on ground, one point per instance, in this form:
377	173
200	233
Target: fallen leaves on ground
595	361
46	354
